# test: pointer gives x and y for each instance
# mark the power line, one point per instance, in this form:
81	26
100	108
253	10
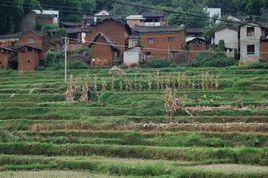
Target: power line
175	12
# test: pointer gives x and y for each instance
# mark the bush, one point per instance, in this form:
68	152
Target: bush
212	58
77	65
54	59
156	63
262	64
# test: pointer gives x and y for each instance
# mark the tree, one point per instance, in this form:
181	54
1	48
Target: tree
186	17
12	12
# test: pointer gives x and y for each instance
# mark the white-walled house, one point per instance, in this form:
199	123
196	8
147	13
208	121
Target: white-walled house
230	38
250	37
132	56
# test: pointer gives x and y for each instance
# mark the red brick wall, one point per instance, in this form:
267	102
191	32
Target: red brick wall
102	54
4	58
115	31
195	48
161	43
27	59
36	39
264	50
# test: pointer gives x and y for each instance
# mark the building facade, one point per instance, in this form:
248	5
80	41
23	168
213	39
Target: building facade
103	51
195	45
28	58
231	40
250	36
161	42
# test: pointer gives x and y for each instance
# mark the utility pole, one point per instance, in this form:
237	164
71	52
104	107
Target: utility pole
65	56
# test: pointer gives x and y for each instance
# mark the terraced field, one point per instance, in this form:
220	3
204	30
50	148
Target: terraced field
126	132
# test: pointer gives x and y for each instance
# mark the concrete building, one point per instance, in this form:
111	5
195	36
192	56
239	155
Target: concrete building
134	20
230	36
250	41
48	16
214	13
132	56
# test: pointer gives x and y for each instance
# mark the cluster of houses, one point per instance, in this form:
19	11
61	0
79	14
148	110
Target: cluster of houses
131	39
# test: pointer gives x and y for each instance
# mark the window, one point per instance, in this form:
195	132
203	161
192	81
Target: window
250	31
171	39
31	40
250	49
148	53
0	62
29	62
150	40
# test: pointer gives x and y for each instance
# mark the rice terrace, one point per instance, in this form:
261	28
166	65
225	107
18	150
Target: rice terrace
127	125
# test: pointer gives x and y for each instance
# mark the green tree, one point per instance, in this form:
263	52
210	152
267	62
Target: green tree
194	17
12	12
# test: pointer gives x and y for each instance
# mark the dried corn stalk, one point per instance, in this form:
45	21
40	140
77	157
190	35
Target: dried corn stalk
69	93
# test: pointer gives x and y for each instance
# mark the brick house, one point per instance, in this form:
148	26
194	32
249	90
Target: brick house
196	45
115	29
103	50
31	38
264	49
28	57
162	42
5	57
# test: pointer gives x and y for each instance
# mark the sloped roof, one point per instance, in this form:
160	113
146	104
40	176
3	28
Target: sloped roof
194	39
7	49
16	35
107	39
157	29
28	46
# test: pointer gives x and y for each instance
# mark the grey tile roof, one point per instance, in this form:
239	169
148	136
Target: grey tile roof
158	29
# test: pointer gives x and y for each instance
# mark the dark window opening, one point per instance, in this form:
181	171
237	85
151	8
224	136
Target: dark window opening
1	62
250	49
29	61
171	39
250	31
148	53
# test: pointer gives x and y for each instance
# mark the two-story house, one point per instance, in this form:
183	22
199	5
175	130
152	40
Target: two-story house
250	40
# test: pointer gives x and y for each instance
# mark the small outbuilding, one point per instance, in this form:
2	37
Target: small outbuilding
28	58
132	56
196	45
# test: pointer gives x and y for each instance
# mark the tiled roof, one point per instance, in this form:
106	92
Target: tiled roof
157	29
107	39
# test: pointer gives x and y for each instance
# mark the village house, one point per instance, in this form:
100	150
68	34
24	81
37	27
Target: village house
28	57
27	47
230	37
47	16
161	42
115	29
113	32
250	40
91	19
6	57
196	45
135	20
103	51
154	19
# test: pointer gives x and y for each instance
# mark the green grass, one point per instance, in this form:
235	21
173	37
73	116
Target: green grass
128	130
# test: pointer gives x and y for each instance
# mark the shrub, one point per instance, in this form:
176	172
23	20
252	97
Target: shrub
77	65
262	64
212	58
54	59
156	63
